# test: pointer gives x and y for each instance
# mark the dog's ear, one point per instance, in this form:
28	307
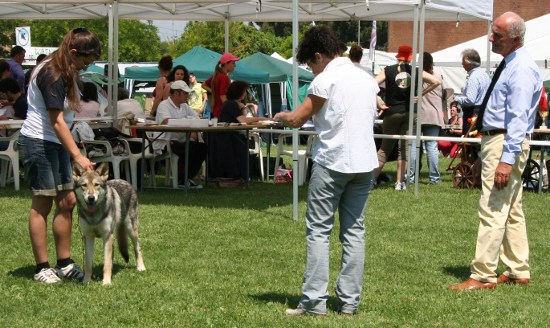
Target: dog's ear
103	170
77	171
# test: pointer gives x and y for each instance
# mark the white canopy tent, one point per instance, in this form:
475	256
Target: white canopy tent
255	10
243	10
537	37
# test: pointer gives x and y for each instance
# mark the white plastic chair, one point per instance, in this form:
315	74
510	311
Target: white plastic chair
134	158
301	158
257	150
170	162
10	158
109	156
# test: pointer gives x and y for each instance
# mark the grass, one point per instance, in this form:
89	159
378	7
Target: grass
235	258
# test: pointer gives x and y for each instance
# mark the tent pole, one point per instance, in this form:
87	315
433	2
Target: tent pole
295	170
419	93
226	27
110	55
114	67
413	83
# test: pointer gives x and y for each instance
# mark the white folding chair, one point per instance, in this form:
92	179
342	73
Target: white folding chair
301	158
257	150
134	158
10	158
108	156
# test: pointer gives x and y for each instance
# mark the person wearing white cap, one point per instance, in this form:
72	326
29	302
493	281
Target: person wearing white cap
176	107
218	83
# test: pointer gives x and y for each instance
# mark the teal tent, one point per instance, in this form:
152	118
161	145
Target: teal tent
281	72
95	73
202	62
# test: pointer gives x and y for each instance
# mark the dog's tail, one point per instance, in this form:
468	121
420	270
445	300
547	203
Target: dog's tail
122	239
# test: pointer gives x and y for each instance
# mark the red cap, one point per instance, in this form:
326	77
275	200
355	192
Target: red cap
227	57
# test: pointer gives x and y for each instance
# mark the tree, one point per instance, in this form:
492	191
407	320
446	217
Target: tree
345	30
245	39
137	41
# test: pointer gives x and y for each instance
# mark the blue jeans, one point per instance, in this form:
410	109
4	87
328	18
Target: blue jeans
432	153
47	166
330	191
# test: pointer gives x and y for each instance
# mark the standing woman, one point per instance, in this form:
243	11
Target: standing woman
431	124
48	147
396	109
342	101
218	83
178	73
165	65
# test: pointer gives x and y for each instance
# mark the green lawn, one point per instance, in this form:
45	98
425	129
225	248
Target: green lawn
235	258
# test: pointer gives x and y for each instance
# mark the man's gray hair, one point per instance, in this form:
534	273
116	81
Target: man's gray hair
471	56
517	26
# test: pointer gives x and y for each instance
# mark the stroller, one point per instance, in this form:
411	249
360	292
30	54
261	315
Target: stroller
466	174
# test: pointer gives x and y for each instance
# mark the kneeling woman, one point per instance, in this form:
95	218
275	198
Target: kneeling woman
229	150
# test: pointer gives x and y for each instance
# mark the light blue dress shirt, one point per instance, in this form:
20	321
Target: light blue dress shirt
513	102
476	86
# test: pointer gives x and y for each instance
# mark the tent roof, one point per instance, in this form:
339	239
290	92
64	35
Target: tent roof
279	71
201	61
247	10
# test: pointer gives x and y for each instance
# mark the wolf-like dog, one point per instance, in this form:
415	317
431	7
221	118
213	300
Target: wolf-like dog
106	207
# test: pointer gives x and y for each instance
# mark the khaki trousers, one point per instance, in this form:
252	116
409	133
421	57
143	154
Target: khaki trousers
502	230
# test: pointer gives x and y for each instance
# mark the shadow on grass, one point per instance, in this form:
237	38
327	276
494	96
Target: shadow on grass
258	196
292	300
462	272
27	272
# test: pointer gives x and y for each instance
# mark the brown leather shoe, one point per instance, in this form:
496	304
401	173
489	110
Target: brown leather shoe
472	284
504	279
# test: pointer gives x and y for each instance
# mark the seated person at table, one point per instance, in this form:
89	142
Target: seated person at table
128	110
449	148
229	150
14	97
176	107
16	107
89	101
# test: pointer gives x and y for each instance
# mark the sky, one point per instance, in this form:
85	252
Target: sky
169	30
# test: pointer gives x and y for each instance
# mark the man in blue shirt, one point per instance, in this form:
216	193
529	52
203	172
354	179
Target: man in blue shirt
17	55
507	123
477	82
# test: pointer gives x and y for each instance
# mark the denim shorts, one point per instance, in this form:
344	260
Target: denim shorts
47	166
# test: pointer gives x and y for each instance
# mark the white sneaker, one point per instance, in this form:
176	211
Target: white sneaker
47	276
299	312
192	185
400	186
71	271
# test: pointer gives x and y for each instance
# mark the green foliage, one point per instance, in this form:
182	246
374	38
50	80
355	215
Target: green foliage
245	39
205	34
7	36
137	41
234	258
345	30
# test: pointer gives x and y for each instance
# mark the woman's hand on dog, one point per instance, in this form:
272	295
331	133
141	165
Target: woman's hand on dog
84	162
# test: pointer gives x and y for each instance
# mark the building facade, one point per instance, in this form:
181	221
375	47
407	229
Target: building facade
441	35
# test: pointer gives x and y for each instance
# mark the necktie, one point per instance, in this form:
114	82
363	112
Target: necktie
479	120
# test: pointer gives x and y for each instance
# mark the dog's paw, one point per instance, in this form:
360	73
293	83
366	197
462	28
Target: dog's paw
106	282
141	268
